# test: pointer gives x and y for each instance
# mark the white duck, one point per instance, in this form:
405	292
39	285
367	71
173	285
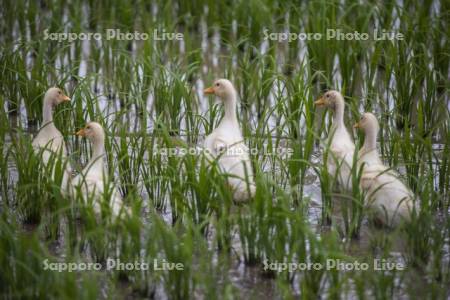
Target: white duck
226	143
390	199
341	146
49	137
93	179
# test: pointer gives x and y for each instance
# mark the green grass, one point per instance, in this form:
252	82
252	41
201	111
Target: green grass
148	97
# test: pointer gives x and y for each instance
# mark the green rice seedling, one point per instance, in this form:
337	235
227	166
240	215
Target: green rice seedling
338	281
29	273
12	70
220	202
125	239
34	178
179	284
129	150
169	98
129	229
4	158
384	285
419	248
266	69
201	190
253	26
85	107
211	277
280	231
352	17
32	89
444	173
321	52
248	67
248	236
264	228
410	152
439	270
319	251
90	235
174	176
300	110
100	204
353	208
327	182
153	172
210	273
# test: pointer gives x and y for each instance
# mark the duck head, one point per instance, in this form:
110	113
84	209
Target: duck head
222	88
55	96
331	99
368	123
93	131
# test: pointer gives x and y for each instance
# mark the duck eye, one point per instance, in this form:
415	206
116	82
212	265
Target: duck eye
88	127
217	84
327	95
59	92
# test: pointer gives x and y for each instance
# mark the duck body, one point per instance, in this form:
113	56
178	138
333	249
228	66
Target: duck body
50	139
391	201
49	142
93	182
226	144
340	157
387	196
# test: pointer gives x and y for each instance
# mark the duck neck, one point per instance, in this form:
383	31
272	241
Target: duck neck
370	141
98	152
230	108
47	113
338	116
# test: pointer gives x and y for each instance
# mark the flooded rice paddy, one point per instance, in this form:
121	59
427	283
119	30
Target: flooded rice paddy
148	96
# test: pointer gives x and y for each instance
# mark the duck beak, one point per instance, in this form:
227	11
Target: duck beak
356	125
209	91
81	132
65	98
320	102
